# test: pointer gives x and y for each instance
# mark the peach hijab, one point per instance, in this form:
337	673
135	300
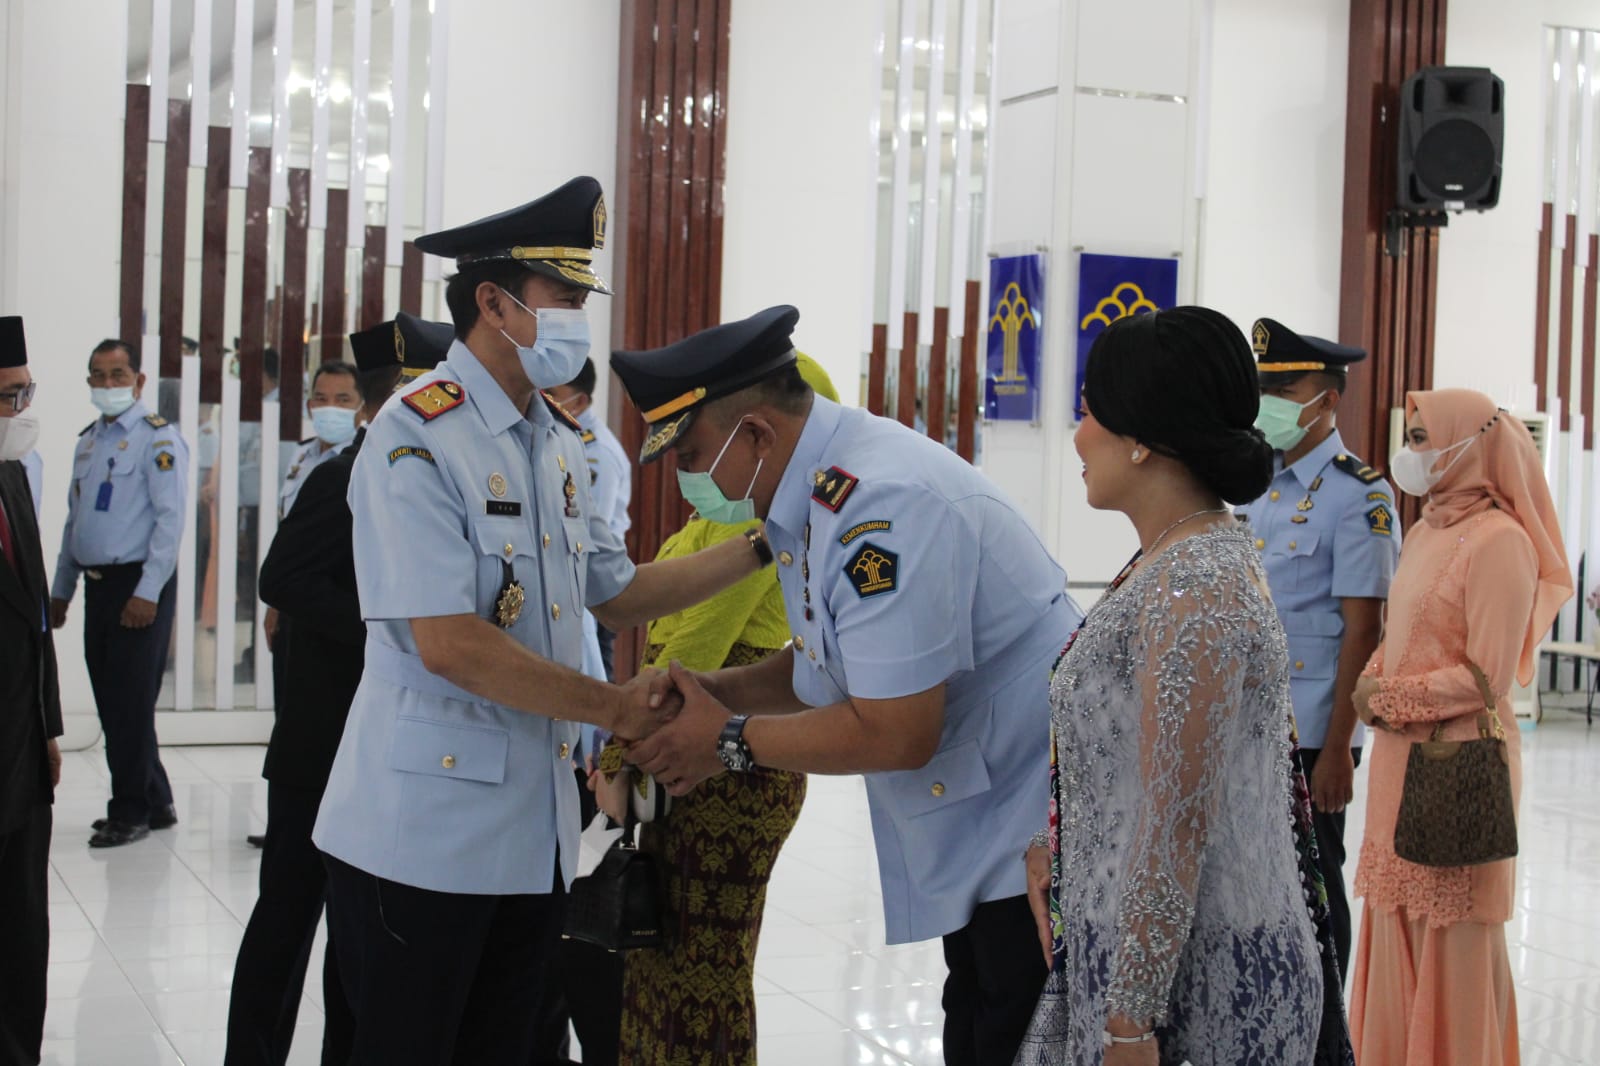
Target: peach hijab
1501	470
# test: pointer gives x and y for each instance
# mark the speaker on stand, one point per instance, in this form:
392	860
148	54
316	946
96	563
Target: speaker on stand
1451	132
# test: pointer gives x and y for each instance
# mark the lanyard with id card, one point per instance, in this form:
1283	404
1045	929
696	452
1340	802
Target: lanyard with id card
102	502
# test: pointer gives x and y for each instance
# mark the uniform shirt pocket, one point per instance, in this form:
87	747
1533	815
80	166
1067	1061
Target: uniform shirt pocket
954	774
1294	557
423	746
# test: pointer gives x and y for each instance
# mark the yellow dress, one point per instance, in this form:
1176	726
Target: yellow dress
692	1002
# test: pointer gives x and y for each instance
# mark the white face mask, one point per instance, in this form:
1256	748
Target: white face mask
556	355
112	402
1414	471
18	435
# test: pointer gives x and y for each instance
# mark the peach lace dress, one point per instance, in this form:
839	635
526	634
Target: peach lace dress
1479	581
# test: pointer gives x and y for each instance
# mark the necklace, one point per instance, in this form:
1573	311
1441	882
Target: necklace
1162	536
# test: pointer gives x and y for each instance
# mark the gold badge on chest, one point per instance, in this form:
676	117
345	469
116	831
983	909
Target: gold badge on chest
509	607
497	485
570	490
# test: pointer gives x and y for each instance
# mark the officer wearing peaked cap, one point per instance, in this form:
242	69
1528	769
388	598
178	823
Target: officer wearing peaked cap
450	821
926	617
1329	535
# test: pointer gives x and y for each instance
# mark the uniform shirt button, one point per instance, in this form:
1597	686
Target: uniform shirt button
509	551
1260	544
580	545
799	642
785	558
555	611
813	655
448	762
563	751
547	540
1299	664
1274	495
937	789
1293	545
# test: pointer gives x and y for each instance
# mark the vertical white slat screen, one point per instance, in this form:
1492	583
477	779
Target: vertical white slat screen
399	133
360	83
961	185
932	161
282	58
1585	109
266	527
239	121
433	191
225	541
189	426
900	199
1568	53
874	111
160	67
321	77
200	83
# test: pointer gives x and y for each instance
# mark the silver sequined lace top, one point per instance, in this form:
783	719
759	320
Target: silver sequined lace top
1179	885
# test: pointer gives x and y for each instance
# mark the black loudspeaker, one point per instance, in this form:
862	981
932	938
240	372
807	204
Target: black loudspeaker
1452	131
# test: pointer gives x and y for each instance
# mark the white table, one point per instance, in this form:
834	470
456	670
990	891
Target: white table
1586	653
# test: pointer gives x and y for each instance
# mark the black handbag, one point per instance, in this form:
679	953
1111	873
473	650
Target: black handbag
618	906
1456	808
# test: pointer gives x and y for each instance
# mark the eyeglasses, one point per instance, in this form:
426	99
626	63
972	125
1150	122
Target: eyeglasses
19	399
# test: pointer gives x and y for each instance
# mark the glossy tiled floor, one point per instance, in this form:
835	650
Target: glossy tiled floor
144	936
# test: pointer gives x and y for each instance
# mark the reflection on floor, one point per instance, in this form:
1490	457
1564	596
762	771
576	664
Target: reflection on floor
144	936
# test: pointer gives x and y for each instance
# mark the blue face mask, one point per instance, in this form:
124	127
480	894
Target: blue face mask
334	425
556	355
707	498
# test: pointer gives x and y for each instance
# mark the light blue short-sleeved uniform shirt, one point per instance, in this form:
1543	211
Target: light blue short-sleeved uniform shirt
126	501
1327	530
434	786
903	568
610	473
307	456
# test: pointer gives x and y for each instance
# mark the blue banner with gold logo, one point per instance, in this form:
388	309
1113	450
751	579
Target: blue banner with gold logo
1016	323
1112	286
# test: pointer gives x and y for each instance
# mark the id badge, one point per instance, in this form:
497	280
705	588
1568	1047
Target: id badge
102	501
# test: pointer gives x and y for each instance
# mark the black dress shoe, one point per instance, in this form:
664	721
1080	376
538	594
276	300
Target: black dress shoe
114	834
256	840
160	818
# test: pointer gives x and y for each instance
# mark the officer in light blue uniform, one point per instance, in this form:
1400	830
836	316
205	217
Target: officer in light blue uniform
926	617
1329	535
450	819
33	463
125	517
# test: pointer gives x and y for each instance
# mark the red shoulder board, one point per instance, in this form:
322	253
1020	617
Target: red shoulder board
431	401
832	487
560	413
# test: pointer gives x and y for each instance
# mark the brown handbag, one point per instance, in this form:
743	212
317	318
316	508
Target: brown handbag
1456	808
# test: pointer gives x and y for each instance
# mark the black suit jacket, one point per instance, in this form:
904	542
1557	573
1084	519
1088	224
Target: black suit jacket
309	575
30	697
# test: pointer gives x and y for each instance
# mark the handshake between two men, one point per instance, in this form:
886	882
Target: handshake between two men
668	724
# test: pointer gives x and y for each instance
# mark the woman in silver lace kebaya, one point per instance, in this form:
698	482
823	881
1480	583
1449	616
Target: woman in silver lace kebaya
1167	885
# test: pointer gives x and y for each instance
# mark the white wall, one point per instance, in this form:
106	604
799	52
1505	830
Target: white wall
1274	182
58	264
801	82
505	143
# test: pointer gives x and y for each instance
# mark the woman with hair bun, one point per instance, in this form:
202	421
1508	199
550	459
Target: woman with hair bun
1168	886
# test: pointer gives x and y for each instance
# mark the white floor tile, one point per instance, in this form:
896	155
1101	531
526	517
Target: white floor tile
144	937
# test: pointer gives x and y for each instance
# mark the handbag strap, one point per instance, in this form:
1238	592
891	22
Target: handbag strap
1488	718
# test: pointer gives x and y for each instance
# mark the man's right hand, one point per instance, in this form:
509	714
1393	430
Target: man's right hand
1333	779
58	613
644	703
1037	860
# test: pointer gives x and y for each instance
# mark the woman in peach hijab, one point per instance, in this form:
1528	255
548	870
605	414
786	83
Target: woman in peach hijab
1480	580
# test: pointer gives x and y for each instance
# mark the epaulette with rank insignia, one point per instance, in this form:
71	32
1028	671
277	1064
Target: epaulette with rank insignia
561	414
155	421
1357	469
431	401
832	487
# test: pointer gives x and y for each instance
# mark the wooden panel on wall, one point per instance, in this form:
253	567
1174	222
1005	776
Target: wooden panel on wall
967	386
335	243
878	369
411	280
253	295
214	258
1387	303
938	375
174	227
666	221
135	189
1569	274
1541	314
292	351
372	277
905	393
